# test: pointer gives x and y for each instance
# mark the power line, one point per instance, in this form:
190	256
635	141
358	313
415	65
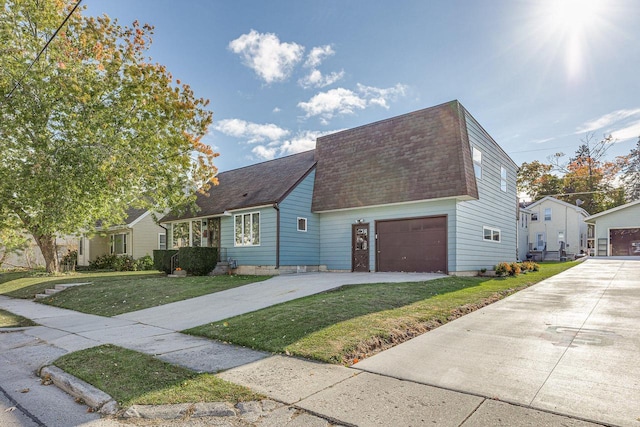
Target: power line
44	48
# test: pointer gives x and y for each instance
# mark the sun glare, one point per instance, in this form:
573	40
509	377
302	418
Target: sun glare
570	23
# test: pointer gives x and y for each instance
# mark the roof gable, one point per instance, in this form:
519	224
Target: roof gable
551	199
612	210
256	185
417	156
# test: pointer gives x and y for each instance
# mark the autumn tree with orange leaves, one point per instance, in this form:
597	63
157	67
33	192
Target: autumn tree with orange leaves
93	127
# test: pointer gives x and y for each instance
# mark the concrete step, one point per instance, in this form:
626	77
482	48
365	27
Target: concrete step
40	296
51	291
64	286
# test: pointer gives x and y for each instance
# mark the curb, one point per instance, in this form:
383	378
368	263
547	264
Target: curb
97	399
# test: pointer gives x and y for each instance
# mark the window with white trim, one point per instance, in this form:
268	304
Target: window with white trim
491	234
477	162
162	241
81	246
302	224
534	216
503	178
247	229
547	214
118	244
180	234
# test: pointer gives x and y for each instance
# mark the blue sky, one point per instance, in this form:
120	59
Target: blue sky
537	74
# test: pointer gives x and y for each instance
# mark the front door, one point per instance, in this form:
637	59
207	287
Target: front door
360	247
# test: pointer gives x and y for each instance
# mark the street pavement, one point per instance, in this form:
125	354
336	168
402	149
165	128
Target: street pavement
566	346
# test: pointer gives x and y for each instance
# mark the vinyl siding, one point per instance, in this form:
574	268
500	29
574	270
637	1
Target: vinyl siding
335	230
494	208
565	219
297	247
625	218
144	237
265	254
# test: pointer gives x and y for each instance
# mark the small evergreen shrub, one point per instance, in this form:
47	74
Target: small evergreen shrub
162	259
124	263
143	264
103	262
198	261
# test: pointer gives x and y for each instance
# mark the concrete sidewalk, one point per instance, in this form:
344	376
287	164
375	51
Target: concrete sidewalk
197	311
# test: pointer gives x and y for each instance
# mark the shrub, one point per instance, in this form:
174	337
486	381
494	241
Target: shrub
162	259
530	266
103	262
198	261
502	268
124	263
143	264
515	269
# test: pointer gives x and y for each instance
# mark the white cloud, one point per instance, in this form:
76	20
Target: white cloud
276	110
343	101
317	55
272	60
316	79
302	141
252	132
608	120
630	132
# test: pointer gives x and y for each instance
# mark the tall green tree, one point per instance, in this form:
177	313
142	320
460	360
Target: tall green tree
630	172
93	127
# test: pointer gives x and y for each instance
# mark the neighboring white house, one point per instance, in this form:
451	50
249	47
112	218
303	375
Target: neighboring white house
552	222
137	237
616	232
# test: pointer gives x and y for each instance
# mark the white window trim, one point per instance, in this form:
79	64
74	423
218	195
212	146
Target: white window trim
190	223
503	178
165	240
550	214
112	244
249	245
492	229
306	224
478	163
534	216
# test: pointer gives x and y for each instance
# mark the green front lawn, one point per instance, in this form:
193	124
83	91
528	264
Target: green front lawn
134	378
10	320
113	293
353	322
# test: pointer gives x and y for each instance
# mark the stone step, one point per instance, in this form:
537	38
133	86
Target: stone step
64	286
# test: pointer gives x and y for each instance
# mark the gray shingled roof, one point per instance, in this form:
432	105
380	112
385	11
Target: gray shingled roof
256	185
417	156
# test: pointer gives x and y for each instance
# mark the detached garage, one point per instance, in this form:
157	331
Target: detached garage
616	232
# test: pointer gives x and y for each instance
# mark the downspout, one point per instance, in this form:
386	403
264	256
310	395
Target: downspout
166	236
277	208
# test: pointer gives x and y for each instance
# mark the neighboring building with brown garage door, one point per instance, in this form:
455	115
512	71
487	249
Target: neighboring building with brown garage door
616	232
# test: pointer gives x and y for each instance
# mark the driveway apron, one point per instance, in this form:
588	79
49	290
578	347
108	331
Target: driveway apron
569	344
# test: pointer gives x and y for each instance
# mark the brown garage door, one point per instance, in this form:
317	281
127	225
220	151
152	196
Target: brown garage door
415	244
625	241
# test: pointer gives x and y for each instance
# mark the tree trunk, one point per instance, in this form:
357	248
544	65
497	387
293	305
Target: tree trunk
47	244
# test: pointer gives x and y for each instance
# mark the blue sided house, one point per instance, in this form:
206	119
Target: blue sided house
428	191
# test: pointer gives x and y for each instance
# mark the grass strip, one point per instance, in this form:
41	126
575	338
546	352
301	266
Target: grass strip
354	322
10	320
135	378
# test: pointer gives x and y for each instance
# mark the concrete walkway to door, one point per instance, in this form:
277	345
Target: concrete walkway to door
197	311
569	345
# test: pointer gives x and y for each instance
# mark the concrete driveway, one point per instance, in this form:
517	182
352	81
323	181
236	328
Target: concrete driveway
569	345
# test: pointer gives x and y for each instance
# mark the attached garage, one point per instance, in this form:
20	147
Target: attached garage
616	232
412	244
